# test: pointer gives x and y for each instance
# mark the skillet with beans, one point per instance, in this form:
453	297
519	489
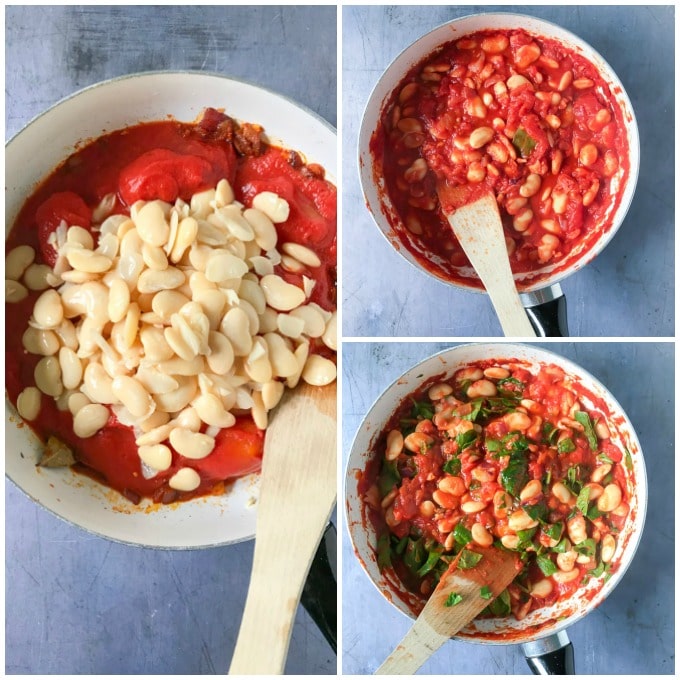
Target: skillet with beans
523	115
166	284
501	456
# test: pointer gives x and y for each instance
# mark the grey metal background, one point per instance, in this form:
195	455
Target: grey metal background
633	631
76	604
627	291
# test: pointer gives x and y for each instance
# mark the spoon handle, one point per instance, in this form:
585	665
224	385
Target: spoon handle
417	646
280	566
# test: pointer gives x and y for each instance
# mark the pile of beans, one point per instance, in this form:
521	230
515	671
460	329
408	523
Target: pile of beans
174	319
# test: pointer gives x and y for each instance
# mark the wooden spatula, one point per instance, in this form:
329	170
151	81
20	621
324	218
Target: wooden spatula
476	223
297	493
457	599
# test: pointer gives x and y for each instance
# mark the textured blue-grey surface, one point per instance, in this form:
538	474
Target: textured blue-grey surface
628	290
77	604
633	631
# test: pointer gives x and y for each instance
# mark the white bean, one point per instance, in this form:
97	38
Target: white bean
87	261
211	411
235	326
28	403
280	294
221	356
186	479
301	253
156	456
190	444
330	334
71	368
47	375
283	361
319	371
76	401
48	311
40	277
133	395
314	321
272	392
151	224
151	281
272	205
39	341
89	420
223	265
265	232
17	262
15	291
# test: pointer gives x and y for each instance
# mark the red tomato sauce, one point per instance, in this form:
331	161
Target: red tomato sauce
165	160
487	112
498	455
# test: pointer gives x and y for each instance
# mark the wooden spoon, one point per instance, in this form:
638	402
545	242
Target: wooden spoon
297	494
476	223
453	604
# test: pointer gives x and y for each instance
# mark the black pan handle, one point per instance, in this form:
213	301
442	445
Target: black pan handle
553	655
547	311
320	592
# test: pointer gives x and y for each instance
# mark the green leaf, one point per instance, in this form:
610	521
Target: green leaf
563	546
485	593
510	387
546	565
430	563
554	531
422	409
466	439
629	460
587	547
468	559
550	433
501	605
415	555
452	466
516	474
573	479
525	536
461	535
401	545
538	511
582	500
453	599
566	446
604	458
493	445
384	553
389	477
599	570
594	513
523	143
583	418
476	410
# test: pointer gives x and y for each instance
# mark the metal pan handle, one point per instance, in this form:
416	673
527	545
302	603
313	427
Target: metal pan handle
547	311
553	655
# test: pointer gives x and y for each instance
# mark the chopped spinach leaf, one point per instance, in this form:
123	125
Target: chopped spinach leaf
384	554
461	535
466	439
538	511
587	547
493	445
510	387
400	546
598	570
415	555
546	565
629	460
582	500
501	605
430	563
554	531
563	546
485	593
389	477
566	446
588	429
422	409
550	433
603	457
452	466
523	142
453	599
516	474
468	559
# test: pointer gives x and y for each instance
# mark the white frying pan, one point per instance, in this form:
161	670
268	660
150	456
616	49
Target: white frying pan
30	157
542	633
542	295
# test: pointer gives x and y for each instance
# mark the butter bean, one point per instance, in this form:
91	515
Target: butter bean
89	420
17	262
186	479
190	444
28	403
